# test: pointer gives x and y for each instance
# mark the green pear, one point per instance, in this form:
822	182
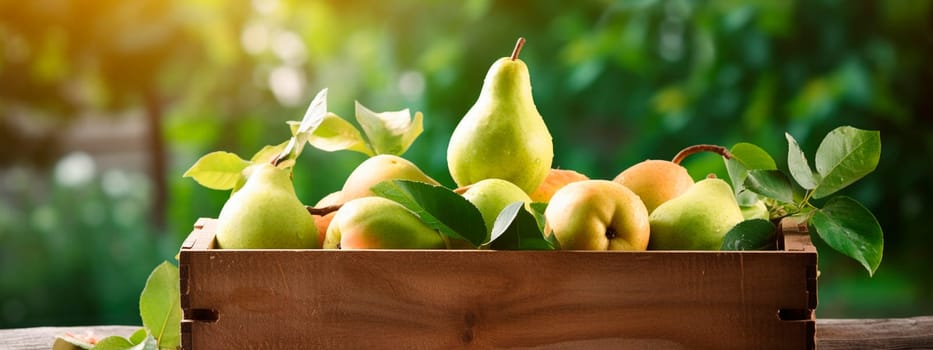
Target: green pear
757	210
502	135
490	196
655	181
380	223
597	215
377	169
265	214
697	219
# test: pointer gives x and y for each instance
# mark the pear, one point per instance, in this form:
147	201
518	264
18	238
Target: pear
502	135
555	180
380	223
697	219
655	181
757	210
377	169
597	215
490	196
266	213
323	221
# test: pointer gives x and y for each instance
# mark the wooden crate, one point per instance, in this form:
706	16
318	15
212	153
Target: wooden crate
430	299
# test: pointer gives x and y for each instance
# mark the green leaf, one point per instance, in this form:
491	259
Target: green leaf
439	207
268	153
114	343
517	229
336	134
537	208
798	165
389	132
70	342
314	116
770	183
846	155
150	343
159	306
756	234
139	336
218	170
848	227
746	156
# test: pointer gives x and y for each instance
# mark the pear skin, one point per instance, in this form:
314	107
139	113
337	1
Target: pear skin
502	135
655	181
697	219
757	210
323	221
597	215
490	196
380	223
377	169
266	214
555	180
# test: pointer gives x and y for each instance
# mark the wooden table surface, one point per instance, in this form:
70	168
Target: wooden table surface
894	333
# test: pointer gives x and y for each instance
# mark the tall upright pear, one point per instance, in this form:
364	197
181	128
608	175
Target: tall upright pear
266	213
502	136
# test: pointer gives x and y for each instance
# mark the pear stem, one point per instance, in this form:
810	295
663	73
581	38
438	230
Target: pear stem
323	210
518	48
686	152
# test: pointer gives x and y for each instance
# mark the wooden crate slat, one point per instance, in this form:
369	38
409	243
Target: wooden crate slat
441	299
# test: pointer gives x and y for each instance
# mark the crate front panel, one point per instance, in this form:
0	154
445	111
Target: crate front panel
496	299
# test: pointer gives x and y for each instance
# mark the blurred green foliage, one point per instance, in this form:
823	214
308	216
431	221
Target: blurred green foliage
616	81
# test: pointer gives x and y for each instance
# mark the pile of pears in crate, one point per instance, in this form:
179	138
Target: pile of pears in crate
508	194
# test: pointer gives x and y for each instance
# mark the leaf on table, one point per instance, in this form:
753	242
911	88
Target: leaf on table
336	134
517	229
114	343
770	183
439	207
389	132
218	170
70	341
846	155
138	336
149	343
798	165
159	306
756	234
848	227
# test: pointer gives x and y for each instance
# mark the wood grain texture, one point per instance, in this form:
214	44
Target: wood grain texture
895	333
494	299
43	337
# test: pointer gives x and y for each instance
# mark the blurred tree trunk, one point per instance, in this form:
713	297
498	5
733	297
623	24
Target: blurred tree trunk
157	161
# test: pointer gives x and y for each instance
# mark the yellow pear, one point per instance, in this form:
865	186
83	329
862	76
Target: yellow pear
655	181
597	215
380	223
502	135
266	213
377	169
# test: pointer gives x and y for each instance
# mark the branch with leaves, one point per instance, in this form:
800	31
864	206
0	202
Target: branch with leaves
844	156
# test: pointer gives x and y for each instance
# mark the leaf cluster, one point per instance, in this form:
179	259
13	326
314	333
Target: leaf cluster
844	156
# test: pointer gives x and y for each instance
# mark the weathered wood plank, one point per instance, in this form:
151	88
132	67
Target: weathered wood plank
893	333
43	337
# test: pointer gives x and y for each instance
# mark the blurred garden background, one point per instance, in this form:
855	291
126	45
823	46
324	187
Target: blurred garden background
105	103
